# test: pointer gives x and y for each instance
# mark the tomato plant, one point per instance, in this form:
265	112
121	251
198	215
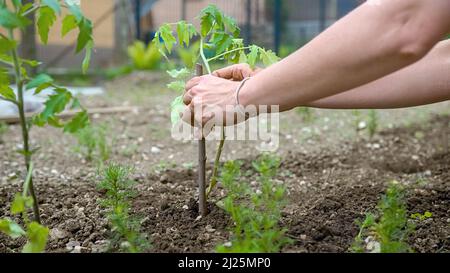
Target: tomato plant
219	35
13	16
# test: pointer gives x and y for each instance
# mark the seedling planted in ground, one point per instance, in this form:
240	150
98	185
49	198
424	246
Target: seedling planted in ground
93	143
219	35
388	228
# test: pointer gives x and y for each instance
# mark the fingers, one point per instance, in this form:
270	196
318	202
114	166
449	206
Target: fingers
235	72
192	82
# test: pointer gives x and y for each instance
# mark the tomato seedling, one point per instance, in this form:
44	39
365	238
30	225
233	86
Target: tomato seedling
219	36
13	16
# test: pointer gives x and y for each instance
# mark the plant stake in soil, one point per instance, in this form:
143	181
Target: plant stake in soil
202	210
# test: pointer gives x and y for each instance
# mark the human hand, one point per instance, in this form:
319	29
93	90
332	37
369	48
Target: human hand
211	101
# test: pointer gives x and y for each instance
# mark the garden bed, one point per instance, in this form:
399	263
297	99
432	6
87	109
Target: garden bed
328	189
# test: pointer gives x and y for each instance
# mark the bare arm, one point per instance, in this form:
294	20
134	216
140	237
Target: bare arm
369	43
424	82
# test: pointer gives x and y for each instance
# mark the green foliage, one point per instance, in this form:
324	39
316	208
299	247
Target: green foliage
93	143
219	33
389	225
35	233
256	214
144	57
372	125
3	130
117	201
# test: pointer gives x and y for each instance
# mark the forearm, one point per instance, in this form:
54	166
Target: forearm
369	43
424	82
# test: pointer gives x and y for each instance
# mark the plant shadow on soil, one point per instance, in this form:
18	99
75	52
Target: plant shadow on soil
327	192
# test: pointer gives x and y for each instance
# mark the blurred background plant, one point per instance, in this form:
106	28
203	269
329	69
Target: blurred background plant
144	57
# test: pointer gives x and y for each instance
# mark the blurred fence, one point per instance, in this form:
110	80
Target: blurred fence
282	25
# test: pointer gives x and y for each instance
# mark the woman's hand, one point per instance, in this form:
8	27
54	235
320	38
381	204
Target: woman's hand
236	72
211	101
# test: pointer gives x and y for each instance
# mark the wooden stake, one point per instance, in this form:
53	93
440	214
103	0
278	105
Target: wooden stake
202	208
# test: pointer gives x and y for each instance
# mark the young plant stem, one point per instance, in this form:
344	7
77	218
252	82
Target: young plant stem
203	210
23	123
213	180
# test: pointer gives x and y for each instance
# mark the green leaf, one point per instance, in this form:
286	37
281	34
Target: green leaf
46	18
87	57
6	45
7	92
75	10
179	73
53	4
85	35
56	103
42	87
20	203
11	20
224	42
165	32
231	26
37	238
78	122
268	57
177	106
177	86
183	34
11	228
69	23
39	80
253	55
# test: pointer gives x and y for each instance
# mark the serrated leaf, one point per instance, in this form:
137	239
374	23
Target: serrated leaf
53	4
37	238
179	73
87	57
206	24
176	107
7	92
11	20
85	34
11	228
253	55
78	122
56	103
268	57
39	80
69	23
46	19
177	86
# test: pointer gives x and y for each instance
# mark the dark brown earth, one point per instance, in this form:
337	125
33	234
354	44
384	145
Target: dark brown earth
333	176
328	191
